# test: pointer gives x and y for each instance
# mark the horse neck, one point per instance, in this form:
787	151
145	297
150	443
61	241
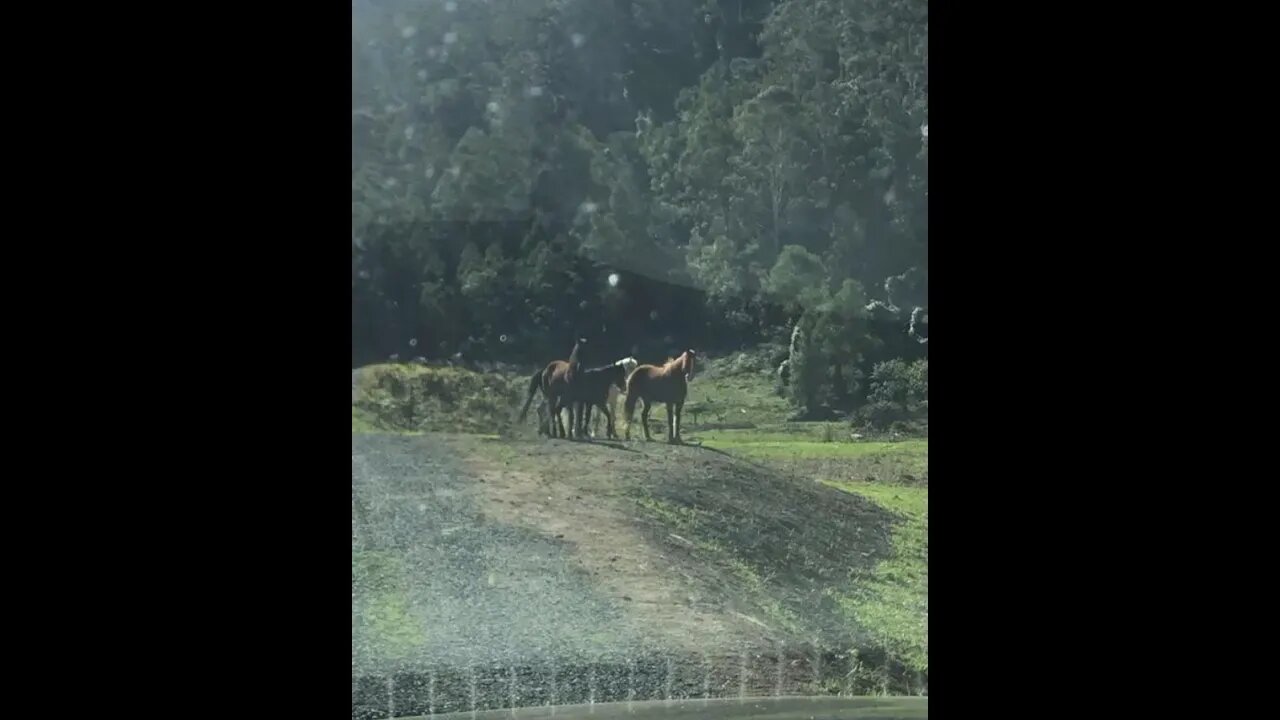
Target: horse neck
682	364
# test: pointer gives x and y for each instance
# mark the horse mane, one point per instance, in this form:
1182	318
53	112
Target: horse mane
682	362
575	362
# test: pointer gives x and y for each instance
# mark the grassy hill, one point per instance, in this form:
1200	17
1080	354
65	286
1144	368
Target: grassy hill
763	533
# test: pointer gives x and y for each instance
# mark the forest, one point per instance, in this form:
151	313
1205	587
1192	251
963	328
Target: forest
654	175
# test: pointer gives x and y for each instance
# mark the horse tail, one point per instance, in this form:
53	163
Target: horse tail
535	382
633	395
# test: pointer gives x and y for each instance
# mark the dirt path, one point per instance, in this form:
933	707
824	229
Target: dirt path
585	496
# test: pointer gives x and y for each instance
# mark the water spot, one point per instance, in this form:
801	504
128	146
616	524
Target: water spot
653	314
422	507
613	279
413	342
588	207
924	130
455	171
535	91
389	108
450	37
492	107
578	39
450	6
408	31
890	196
502	338
408	133
422	74
364	274
390	183
431	172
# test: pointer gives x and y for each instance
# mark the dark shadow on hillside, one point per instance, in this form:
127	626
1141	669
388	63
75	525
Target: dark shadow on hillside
801	540
612	445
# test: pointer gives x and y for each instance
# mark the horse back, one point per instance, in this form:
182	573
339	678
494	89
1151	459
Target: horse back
649	382
554	374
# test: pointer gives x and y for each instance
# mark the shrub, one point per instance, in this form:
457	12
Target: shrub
899	397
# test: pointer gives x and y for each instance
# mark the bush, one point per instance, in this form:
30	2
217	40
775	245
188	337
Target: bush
899	397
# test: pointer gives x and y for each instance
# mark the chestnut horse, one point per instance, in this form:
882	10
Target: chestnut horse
554	380
593	387
667	384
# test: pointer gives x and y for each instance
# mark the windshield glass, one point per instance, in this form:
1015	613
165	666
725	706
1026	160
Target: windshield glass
639	347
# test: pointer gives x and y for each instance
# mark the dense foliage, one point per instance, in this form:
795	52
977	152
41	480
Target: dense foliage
741	170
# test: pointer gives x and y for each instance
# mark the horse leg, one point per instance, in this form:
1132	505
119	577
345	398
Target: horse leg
644	419
611	433
671	424
679	419
613	405
586	421
558	430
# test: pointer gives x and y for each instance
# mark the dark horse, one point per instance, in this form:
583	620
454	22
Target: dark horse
554	380
592	388
667	384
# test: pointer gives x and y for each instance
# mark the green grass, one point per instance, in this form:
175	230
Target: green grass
384	612
414	398
892	601
721	395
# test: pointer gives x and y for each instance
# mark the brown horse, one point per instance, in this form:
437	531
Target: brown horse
554	380
667	384
593	388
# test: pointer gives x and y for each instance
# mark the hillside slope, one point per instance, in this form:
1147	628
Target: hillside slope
469	552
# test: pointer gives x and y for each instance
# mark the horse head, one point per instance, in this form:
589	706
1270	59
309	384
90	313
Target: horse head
688	357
